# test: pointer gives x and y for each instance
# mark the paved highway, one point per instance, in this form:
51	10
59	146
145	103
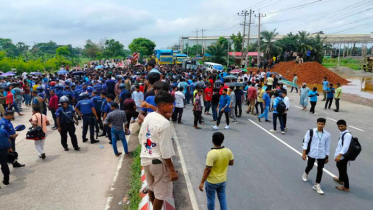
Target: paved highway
268	167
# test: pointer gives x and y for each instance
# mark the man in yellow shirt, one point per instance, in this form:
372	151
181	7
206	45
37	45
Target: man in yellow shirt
259	100
215	174
337	97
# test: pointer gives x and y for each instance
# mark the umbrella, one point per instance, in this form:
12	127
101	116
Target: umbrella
230	77
99	67
36	73
236	71
139	64
237	84
77	68
8	74
281	78
78	73
244	70
288	83
275	73
62	72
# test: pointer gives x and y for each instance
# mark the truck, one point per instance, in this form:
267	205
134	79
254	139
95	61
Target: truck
163	57
175	52
178	58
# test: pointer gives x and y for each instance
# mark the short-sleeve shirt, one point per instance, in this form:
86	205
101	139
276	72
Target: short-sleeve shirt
270	81
338	93
330	94
85	106
155	139
325	85
266	99
7	126
313	95
65	115
218	159
208	94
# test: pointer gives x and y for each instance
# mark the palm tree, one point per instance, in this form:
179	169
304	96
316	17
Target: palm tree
318	48
218	53
304	42
268	44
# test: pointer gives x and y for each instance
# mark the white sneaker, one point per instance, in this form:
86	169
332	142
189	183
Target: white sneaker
318	189
227	127
235	121
305	177
273	131
283	132
215	127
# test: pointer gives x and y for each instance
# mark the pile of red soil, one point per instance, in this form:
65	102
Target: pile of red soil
309	72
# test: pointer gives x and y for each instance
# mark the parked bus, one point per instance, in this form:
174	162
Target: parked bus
175	52
213	66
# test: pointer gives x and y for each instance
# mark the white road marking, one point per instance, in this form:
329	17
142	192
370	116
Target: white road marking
348	126
298	107
290	147
186	175
110	198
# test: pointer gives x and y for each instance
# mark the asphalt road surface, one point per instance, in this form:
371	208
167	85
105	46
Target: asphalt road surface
268	167
64	180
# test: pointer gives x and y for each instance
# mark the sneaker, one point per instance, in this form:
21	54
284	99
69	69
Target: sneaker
273	131
235	121
258	119
286	129
215	127
226	127
305	177
317	187
283	132
43	156
268	121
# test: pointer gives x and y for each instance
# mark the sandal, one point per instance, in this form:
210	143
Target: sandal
337	180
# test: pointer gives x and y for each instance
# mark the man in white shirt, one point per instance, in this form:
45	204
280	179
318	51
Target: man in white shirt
316	145
179	105
343	145
137	96
287	103
157	150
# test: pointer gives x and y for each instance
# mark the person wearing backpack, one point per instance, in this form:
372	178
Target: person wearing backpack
316	145
342	148
279	108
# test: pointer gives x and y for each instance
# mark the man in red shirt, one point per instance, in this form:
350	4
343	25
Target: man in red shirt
208	96
53	106
251	97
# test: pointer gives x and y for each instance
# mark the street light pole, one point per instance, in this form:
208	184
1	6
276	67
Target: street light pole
228	55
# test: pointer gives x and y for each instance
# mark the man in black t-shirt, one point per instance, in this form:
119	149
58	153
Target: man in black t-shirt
214	103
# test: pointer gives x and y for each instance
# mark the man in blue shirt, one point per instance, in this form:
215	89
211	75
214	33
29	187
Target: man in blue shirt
97	102
276	115
4	148
122	96
325	84
97	87
87	111
329	96
223	107
313	99
8	127
65	115
266	104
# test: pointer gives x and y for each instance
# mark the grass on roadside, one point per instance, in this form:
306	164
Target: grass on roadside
134	190
84	60
347	62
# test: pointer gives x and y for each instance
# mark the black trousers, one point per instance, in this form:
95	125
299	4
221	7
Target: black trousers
197	117
238	108
296	89
53	111
337	104
320	166
261	107
88	121
313	105
226	117
13	141
207	106
68	128
328	102
343	176
178	113
108	131
129	118
99	121
284	119
4	164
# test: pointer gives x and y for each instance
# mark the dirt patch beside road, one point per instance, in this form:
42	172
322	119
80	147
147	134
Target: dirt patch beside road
349	73
355	99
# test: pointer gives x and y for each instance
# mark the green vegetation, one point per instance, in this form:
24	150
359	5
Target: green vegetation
133	193
347	62
143	46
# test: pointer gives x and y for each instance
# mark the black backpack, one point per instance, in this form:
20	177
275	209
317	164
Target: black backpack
353	150
281	107
309	142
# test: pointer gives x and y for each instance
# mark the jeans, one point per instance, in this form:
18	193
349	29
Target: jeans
118	135
88	121
19	103
214	112
328	103
238	108
275	116
207	106
210	194
27	99
265	113
15	105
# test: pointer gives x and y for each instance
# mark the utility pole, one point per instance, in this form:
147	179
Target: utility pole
244	14
339	52
203	45
248	37
228	54
259	16
196	31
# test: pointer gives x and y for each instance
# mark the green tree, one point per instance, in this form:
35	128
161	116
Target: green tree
303	44
195	50
63	51
91	49
218	52
224	41
113	48
8	46
268	44
318	47
143	46
237	41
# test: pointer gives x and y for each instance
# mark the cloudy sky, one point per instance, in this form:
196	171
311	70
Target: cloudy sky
164	21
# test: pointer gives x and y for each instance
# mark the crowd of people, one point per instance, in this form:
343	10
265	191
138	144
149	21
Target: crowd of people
110	95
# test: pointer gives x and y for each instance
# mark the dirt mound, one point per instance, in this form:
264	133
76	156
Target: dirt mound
309	72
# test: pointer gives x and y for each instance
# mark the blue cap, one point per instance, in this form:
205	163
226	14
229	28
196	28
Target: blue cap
20	128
